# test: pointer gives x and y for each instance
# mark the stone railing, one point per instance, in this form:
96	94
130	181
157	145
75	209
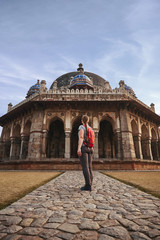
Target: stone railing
74	91
139	101
105	94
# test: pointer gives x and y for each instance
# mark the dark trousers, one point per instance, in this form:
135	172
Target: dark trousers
86	163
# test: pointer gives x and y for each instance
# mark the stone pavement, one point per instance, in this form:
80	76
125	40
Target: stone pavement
59	210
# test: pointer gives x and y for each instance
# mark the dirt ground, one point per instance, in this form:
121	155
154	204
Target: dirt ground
14	185
148	181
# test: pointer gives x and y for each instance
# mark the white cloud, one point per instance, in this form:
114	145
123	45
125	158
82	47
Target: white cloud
142	14
12	97
114	39
10	69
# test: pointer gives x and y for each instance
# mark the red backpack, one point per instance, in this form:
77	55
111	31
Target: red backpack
89	141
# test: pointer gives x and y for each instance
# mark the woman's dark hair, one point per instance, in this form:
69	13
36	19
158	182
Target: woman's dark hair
85	119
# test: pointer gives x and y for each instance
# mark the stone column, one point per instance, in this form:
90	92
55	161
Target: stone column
139	147
67	123
139	139
11	139
149	142
67	144
22	146
149	149
126	133
96	154
22	139
12	148
118	139
35	140
96	131
44	143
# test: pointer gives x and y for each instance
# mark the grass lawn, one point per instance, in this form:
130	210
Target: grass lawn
146	181
14	185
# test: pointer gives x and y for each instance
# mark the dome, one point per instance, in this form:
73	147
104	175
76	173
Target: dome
66	79
129	89
35	88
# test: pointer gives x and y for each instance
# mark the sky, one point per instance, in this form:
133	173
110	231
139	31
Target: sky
43	39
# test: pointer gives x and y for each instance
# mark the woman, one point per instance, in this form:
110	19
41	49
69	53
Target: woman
85	154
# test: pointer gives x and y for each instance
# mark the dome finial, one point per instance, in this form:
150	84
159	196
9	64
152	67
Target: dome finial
33	89
80	69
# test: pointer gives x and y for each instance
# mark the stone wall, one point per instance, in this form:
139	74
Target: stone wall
117	116
64	165
35	140
128	151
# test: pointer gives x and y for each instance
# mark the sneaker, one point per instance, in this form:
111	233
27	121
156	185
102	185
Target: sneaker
86	188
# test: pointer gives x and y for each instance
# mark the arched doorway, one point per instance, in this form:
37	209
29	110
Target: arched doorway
16	142
135	138
7	143
56	140
74	137
25	139
145	143
154	145
106	146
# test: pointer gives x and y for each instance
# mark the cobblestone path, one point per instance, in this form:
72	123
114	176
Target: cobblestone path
59	210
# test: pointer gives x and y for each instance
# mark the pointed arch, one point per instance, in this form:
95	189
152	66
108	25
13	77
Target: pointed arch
154	144
134	127
56	139
7	142
16	142
27	128
25	140
50	120
144	142
17	131
108	118
106	145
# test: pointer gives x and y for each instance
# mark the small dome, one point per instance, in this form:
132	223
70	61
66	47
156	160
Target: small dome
81	80
129	89
35	88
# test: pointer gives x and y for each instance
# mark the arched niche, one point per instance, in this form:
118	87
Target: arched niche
108	118
144	142
16	144
7	142
51	118
135	137
16	131
6	134
56	139
144	131
154	144
27	128
106	146
153	134
25	139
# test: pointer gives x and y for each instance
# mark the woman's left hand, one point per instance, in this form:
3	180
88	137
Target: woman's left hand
79	152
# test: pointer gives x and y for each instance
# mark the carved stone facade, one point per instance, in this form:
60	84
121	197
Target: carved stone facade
45	125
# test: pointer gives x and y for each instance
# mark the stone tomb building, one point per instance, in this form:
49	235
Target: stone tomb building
42	131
